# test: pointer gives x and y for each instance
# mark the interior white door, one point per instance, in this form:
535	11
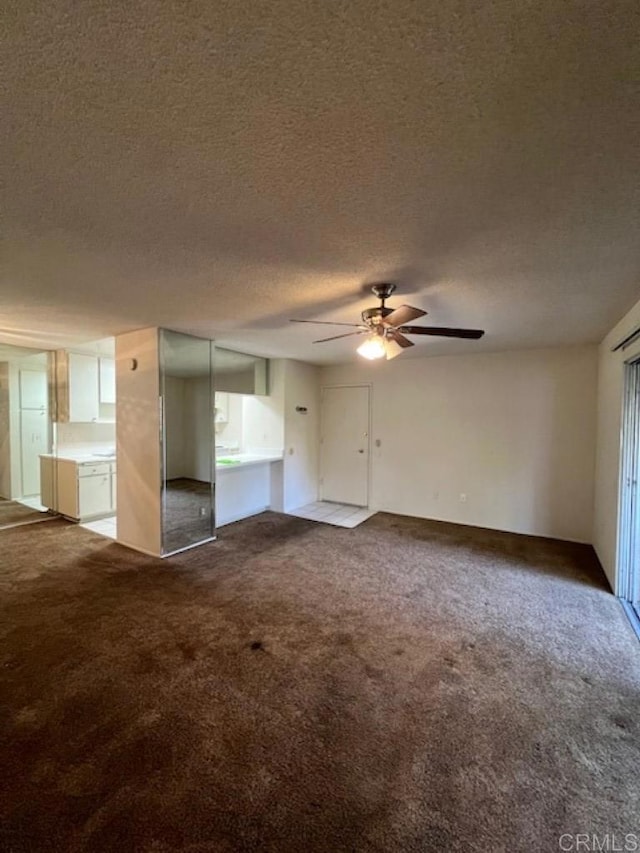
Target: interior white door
344	445
33	442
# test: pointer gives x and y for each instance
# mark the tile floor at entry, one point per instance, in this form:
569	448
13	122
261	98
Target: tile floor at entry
103	526
340	515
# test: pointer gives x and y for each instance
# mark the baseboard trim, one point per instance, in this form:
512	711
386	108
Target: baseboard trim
233	518
483	527
188	547
27	522
136	548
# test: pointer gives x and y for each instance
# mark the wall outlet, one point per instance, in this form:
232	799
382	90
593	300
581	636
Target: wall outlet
463	498
203	512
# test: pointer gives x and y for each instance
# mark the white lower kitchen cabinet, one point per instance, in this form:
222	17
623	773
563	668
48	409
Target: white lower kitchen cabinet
82	490
94	494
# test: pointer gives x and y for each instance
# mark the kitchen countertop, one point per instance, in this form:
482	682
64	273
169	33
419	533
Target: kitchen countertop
235	460
79	457
243	460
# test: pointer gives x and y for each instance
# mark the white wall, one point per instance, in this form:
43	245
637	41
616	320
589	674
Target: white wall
271	423
514	431
301	434
230	433
609	425
188	407
188	427
198	426
263	417
138	441
72	434
174	417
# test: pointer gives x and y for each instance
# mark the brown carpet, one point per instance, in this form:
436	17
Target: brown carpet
13	512
403	686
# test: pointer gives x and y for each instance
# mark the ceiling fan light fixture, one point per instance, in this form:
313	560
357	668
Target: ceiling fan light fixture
386	328
372	348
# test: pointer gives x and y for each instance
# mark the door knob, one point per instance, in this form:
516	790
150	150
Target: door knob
361	451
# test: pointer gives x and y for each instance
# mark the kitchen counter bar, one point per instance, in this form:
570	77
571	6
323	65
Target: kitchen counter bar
243	488
244	460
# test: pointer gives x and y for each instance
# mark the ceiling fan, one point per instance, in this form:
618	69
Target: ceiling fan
385	327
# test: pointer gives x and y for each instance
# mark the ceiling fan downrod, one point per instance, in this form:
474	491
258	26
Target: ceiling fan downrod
383	291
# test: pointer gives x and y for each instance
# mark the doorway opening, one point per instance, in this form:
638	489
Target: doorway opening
345	418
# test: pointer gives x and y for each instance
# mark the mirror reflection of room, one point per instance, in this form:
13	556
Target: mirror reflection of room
187	403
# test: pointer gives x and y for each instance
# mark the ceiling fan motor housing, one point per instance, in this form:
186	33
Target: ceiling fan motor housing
374	316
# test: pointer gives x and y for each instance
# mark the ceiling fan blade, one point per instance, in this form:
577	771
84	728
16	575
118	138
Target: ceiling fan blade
329	323
335	337
403	314
394	335
393	347
442	331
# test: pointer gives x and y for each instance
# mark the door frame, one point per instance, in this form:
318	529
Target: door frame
628	544
369	387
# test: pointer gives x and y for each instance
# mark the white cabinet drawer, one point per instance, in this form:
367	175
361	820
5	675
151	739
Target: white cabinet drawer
91	469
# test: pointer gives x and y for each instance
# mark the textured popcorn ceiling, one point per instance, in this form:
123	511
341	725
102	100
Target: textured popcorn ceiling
219	167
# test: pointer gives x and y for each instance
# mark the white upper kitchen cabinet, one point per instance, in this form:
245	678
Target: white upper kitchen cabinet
107	370
78	387
84	401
